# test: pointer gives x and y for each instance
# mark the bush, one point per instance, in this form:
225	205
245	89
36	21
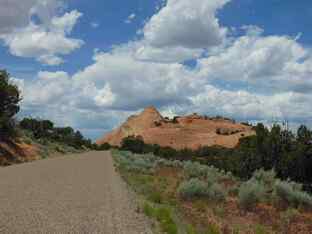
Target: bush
133	144
250	193
292	194
9	106
195	188
195	169
163	215
135	162
155	197
216	192
148	210
105	146
267	178
192	188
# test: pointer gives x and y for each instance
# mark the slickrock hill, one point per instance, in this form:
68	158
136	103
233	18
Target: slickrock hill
190	131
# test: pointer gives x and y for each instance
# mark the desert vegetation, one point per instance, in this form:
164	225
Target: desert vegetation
288	154
45	129
30	138
190	197
9	105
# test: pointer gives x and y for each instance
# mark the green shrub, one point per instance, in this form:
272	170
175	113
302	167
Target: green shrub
288	216
192	188
267	178
234	190
250	193
292	194
190	229
259	229
167	224
213	229
148	210
135	162
28	141
194	169
216	192
219	211
155	197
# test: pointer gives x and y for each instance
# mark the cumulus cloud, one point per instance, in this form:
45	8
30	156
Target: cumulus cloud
130	18
181	30
46	40
266	64
16	14
134	83
251	77
184	23
119	82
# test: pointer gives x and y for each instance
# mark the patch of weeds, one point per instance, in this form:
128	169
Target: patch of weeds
148	210
259	229
212	229
288	217
155	197
163	215
141	183
200	206
219	211
190	229
60	149
163	183
236	230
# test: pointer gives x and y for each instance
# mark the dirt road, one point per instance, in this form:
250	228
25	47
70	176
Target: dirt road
73	194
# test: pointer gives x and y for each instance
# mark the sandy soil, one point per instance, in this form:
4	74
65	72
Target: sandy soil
73	194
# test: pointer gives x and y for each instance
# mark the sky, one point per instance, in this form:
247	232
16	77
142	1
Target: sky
91	64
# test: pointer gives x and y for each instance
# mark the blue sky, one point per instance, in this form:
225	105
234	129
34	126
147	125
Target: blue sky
90	64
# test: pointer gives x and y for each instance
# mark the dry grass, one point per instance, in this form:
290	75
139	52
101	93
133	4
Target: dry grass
203	215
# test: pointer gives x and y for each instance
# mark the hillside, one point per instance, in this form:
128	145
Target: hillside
190	131
26	148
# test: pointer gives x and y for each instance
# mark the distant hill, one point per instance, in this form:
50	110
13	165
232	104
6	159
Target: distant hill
190	131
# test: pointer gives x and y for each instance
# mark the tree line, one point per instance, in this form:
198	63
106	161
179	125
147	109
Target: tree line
45	129
289	154
10	128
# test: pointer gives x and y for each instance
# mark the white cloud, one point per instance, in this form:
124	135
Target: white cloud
47	40
181	30
94	24
253	77
130	18
16	14
184	23
277	70
242	104
267	64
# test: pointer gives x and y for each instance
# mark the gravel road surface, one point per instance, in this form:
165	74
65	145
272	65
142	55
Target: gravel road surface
73	194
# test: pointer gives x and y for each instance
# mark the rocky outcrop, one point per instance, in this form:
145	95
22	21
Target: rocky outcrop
190	131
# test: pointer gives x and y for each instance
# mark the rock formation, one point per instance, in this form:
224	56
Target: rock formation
190	131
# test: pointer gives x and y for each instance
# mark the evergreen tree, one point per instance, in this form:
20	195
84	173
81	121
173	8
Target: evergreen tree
9	105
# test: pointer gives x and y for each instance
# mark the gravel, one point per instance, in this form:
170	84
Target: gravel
74	194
